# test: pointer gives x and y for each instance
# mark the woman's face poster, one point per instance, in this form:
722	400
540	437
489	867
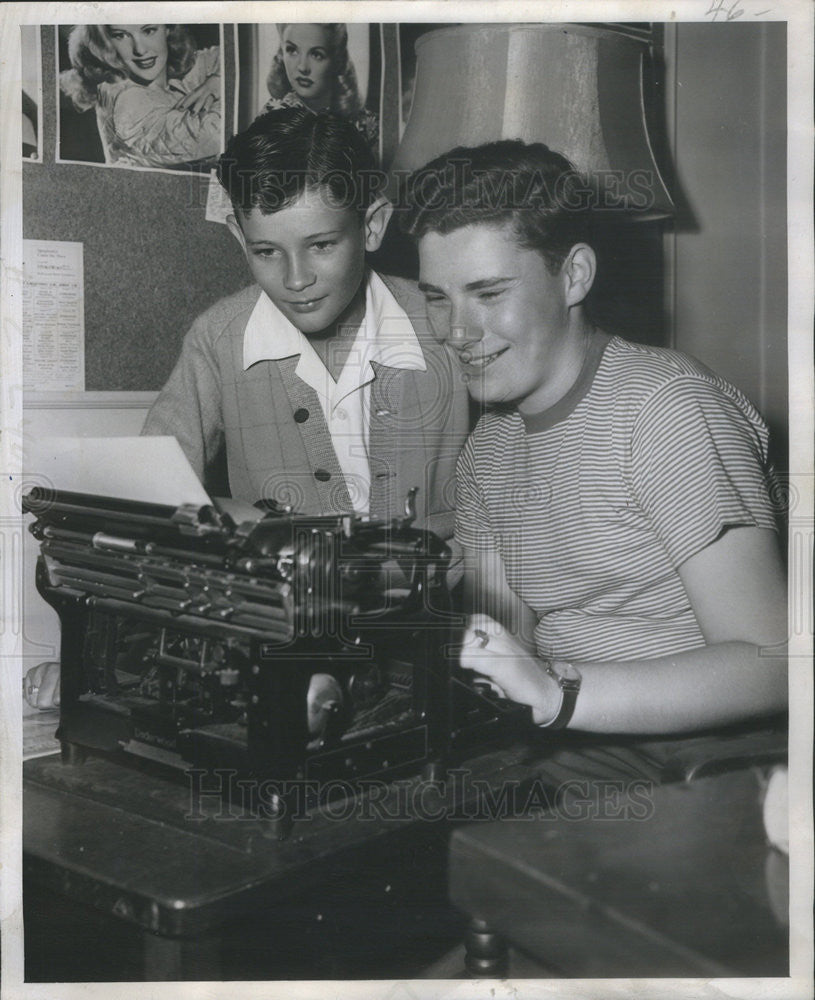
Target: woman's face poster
141	96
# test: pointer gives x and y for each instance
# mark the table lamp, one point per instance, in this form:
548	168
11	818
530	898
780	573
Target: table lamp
577	88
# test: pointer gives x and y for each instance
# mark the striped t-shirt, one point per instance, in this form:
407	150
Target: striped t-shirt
594	503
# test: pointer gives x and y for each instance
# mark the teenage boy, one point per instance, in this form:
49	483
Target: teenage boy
613	507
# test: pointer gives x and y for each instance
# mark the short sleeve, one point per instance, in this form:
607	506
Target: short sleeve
473	529
699	465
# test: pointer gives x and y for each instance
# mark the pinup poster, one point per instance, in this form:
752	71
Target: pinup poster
129	259
145	97
285	65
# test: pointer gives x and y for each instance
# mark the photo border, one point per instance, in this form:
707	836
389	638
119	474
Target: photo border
799	16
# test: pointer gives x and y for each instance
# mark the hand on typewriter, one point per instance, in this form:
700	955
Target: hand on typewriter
41	685
490	651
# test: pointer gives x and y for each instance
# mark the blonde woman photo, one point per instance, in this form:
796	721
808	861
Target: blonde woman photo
156	95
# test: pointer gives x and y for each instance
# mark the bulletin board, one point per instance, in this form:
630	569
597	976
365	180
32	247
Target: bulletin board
152	261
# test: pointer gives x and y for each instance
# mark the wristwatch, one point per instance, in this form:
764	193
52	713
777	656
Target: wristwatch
569	679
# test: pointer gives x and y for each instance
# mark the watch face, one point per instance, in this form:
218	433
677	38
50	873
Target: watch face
569	675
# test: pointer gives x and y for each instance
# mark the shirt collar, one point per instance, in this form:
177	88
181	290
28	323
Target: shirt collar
389	334
386	335
269	336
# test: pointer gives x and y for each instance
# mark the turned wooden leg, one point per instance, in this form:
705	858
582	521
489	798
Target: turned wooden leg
486	955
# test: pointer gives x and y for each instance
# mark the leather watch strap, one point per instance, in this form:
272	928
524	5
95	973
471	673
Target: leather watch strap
569	679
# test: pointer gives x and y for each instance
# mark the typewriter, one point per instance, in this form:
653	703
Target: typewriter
281	646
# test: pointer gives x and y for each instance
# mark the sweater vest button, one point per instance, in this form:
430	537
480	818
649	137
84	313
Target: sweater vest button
301	415
322	474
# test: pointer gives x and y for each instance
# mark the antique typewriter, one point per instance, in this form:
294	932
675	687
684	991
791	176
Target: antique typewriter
281	646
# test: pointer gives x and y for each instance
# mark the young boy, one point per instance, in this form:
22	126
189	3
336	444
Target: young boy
322	379
612	501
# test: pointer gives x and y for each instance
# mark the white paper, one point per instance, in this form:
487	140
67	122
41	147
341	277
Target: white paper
53	316
147	469
218	204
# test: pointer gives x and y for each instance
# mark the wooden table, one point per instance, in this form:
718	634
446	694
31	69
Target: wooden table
119	882
673	881
110	855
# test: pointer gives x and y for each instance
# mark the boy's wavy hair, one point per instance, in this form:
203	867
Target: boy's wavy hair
94	61
538	191
345	97
288	151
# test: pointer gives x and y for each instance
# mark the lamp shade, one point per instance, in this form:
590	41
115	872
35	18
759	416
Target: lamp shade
576	88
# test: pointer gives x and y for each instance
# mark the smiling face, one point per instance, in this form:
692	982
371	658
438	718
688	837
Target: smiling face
514	327
142	50
309	65
309	258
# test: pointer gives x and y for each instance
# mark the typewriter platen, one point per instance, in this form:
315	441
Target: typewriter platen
282	647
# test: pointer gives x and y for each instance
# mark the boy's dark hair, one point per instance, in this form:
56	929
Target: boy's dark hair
528	185
282	153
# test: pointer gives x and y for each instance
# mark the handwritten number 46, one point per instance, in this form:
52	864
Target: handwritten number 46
719	8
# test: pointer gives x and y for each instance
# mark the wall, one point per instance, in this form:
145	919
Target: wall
729	268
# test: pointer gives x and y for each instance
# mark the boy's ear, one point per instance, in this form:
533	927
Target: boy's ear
376	221
235	228
578	271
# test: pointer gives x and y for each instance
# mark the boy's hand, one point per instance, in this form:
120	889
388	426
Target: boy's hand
41	685
489	651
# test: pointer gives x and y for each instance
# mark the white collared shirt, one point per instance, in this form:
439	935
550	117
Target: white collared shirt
385	336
